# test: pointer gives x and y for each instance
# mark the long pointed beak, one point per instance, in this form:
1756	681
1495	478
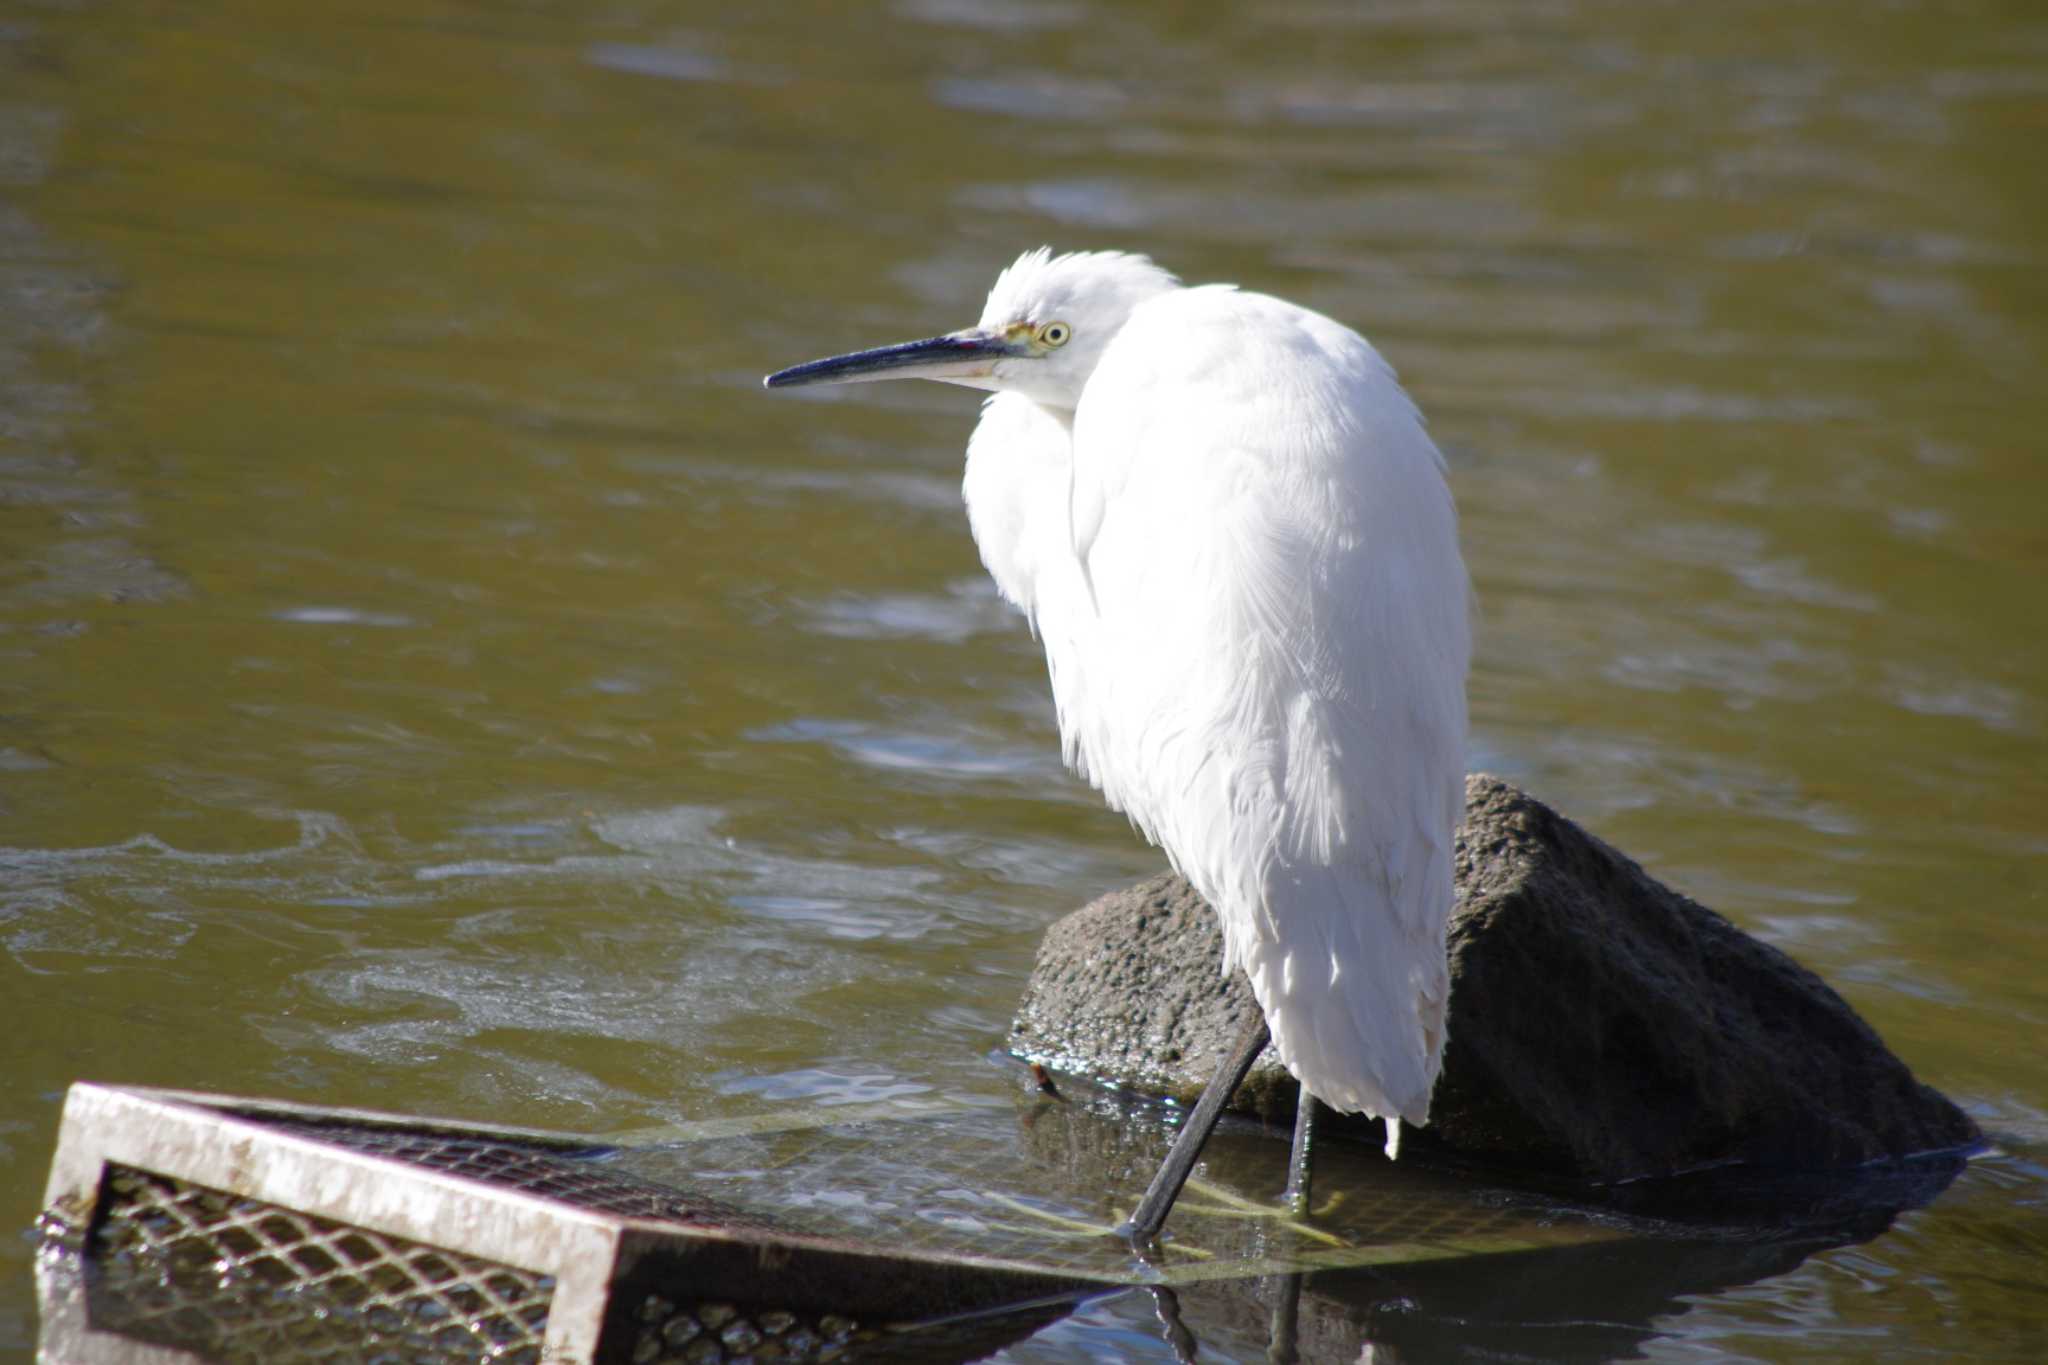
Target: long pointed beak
957	356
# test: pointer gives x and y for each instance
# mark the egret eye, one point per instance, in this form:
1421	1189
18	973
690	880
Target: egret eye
1054	333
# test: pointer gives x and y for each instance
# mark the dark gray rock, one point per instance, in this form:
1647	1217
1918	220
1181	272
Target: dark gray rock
1602	1026
1128	989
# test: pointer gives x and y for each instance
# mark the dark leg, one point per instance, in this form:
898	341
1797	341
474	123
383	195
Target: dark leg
1301	1158
1282	1344
1187	1148
1283	1322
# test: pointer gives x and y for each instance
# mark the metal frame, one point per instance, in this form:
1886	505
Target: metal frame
194	1138
225	1143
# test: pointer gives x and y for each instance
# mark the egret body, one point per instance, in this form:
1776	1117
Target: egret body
1227	525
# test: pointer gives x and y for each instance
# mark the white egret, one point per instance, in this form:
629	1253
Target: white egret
1227	525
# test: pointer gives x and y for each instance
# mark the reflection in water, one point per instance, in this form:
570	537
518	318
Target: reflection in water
1589	1303
1659	1245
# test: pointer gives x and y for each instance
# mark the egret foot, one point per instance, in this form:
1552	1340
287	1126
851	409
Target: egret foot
1218	1202
1187	1148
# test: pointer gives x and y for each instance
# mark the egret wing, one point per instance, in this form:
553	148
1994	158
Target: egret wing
1265	665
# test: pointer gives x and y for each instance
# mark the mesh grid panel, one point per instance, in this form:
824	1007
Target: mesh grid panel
238	1280
933	1237
1046	1193
175	1263
573	1176
671	1334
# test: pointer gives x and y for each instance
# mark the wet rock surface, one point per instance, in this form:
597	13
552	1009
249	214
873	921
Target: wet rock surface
1602	1026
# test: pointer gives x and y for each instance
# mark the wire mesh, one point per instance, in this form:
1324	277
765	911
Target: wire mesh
573	1176
668	1333
240	1280
1045	1189
933	1236
177	1263
246	1282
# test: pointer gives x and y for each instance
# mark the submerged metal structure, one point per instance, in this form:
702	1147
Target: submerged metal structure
242	1230
181	1226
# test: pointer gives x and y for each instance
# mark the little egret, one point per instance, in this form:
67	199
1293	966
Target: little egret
1224	520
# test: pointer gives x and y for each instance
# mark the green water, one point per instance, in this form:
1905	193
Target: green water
433	677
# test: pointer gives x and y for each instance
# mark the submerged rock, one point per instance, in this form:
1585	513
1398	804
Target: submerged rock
1602	1026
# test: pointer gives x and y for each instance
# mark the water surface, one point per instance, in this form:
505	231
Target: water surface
436	679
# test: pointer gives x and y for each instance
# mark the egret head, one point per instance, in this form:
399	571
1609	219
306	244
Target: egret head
1046	324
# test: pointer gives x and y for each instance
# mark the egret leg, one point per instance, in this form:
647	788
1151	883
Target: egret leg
1283	1346
1283	1322
1187	1148
1301	1158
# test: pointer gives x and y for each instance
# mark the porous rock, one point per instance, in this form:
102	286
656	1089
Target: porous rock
1602	1026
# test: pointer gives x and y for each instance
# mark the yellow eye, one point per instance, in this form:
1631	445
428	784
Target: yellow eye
1054	334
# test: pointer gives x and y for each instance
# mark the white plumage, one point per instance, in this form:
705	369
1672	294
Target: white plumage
1233	535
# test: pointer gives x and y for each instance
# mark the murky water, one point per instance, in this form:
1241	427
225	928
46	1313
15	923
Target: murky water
436	679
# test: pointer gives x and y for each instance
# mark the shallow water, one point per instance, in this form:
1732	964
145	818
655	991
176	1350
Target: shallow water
436	679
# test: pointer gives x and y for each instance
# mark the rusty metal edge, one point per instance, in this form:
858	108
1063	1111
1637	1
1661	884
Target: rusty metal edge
199	1139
